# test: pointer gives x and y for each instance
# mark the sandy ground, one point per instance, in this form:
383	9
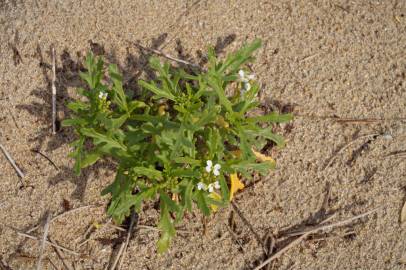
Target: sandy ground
320	58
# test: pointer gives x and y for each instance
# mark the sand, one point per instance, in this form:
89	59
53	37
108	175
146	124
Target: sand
342	59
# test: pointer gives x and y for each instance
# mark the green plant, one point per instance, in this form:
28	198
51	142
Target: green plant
184	139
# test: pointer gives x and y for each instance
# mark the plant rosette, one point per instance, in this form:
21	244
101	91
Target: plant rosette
183	139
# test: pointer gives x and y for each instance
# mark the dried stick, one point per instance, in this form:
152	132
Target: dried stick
235	239
48	242
11	160
306	233
333	225
43	242
330	161
45	156
60	256
167	56
71	211
352	120
124	245
249	225
53	92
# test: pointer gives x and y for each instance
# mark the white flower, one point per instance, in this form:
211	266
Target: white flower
241	73
201	186
247	86
102	95
209	165
210	188
216	169
245	77
216	185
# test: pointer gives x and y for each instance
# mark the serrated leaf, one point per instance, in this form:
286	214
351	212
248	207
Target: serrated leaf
90	158
98	138
119	96
160	93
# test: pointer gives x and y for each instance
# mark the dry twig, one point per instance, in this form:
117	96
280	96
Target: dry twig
53	92
11	160
305	233
121	253
43	242
167	56
60	256
71	211
48	242
235	239
331	159
46	157
249	225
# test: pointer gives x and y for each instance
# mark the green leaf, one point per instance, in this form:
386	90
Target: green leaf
100	139
160	93
149	172
74	122
273	117
77	106
225	192
167	228
188	196
90	158
188	173
135	104
119	96
187	160
201	203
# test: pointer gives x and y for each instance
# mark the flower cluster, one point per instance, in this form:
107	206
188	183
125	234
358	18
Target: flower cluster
216	168
245	79
210	187
216	172
103	95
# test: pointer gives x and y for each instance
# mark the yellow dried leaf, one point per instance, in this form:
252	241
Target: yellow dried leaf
96	225
217	197
403	214
236	185
263	158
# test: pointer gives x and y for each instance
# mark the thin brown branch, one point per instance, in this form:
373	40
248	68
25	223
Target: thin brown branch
48	242
305	233
122	252
11	160
167	56
53	92
60	256
352	120
236	240
46	157
347	145
71	211
248	224
43	242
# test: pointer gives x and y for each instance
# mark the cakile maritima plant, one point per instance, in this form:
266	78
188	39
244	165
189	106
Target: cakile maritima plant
186	138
